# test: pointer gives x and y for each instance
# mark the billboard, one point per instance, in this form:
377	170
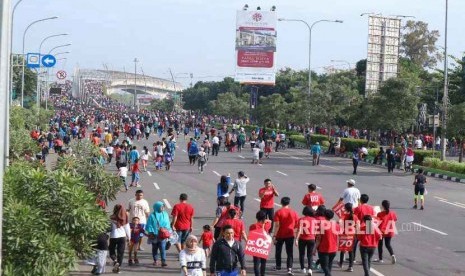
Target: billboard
383	51
256	47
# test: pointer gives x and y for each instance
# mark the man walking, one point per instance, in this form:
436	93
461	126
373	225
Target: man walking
391	158
226	253
266	195
183	218
140	208
285	221
215	145
240	189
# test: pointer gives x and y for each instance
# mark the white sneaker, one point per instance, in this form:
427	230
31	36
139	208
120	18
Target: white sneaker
289	272
393	259
304	271
309	272
378	261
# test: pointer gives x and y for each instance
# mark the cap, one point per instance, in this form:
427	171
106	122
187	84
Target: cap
351	181
317	143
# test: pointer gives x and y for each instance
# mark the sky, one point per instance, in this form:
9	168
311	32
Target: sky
197	36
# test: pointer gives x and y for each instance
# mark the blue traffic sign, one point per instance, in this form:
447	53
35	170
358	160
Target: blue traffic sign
48	61
33	60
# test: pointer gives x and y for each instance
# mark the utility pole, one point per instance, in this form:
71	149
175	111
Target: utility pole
135	84
5	44
445	98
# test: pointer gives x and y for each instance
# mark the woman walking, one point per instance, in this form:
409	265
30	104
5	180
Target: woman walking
120	233
387	226
157	224
192	258
145	154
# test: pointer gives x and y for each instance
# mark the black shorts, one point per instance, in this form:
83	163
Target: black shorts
419	190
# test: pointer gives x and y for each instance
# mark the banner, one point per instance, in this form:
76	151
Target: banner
258	245
338	209
346	242
256	47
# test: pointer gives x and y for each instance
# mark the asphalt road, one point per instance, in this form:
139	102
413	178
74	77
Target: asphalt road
430	242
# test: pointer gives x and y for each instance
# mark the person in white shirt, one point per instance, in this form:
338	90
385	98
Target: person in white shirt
119	235
110	151
418	144
255	155
215	145
144	156
139	207
240	189
192	258
123	174
350	194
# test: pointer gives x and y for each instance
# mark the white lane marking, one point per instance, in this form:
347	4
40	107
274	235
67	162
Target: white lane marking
376	272
294	157
454	204
149	173
334	168
241	156
459	203
440	198
156	186
217	174
167	204
184	150
281	173
279	205
429	228
317	187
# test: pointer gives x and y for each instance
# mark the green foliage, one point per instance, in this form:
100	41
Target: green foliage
421	155
298	138
229	105
419	44
165	105
271	111
350	144
451	166
30	83
19	145
318	138
457	121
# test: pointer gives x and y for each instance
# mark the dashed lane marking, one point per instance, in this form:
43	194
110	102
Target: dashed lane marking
149	173
376	272
260	164
281	173
183	150
440	198
217	174
241	156
429	228
156	186
167	204
460	205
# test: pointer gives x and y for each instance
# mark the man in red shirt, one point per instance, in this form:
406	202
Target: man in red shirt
237	224
285	223
266	195
362	210
369	239
312	198
327	242
183	219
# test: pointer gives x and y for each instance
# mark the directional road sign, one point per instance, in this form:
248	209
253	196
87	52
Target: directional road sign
48	61
33	60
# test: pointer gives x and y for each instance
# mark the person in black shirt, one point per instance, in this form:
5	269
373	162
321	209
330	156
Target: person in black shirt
226	253
391	158
419	183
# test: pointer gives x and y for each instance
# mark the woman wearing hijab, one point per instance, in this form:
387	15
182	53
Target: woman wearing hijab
120	233
192	258
158	219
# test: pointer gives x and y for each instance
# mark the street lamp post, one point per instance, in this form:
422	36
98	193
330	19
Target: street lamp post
24	58
310	28
38	82
48	71
445	98
135	83
11	51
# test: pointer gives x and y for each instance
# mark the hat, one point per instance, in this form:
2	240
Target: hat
317	143
351	181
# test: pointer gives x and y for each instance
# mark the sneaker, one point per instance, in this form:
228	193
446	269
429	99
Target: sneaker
339	264
422	208
289	271
378	261
393	259
130	262
309	272
138	186
275	268
116	268
414	206
164	264
155	263
304	271
350	269
136	261
141	248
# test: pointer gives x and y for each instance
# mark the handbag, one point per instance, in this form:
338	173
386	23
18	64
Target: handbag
163	233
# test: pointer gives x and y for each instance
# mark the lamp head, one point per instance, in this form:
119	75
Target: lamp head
273	8
258	8
245	7
339	21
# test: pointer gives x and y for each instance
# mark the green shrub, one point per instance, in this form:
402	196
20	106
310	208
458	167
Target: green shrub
420	155
318	138
298	138
325	144
350	144
451	166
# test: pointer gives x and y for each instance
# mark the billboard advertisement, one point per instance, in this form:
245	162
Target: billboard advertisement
256	47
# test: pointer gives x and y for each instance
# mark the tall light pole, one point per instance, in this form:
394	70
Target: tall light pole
38	82
310	28
24	58
59	46
11	51
135	83
5	40
445	98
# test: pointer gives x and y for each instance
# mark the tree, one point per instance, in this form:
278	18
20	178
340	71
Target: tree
30	83
395	106
271	110
165	105
229	105
418	44
456	125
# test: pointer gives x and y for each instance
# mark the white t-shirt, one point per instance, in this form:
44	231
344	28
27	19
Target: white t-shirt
123	171
418	144
215	140
110	150
351	195
240	186
195	263
256	152
138	208
145	156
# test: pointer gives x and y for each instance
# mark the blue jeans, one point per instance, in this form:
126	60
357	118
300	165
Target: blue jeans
159	245
135	178
225	273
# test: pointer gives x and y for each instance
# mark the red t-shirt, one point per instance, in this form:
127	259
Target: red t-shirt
207	238
288	220
329	238
364	209
135	168
267	200
345	222
237	225
368	239
308	225
387	223
258	226
313	199
184	212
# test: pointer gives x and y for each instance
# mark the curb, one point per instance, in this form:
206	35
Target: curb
435	175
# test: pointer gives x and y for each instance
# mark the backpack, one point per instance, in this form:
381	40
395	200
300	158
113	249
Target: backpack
193	149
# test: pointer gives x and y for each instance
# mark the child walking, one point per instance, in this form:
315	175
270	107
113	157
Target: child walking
101	251
145	154
123	174
168	160
137	230
135	174
207	239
